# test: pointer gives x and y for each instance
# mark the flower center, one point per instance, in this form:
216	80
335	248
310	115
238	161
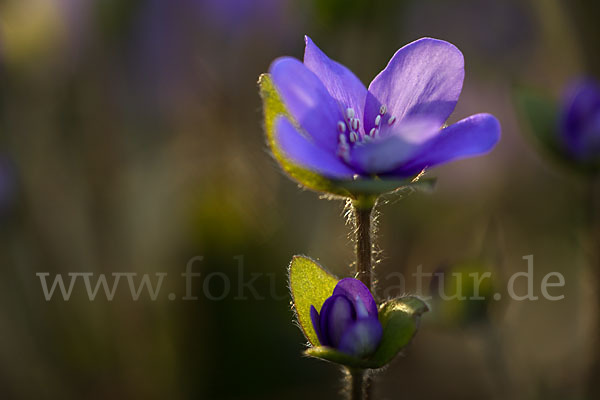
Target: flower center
351	135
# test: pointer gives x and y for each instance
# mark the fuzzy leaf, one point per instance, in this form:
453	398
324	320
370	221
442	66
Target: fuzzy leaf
310	284
373	186
399	319
425	185
332	355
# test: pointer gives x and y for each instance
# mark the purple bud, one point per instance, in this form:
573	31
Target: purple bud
580	121
362	338
337	314
348	320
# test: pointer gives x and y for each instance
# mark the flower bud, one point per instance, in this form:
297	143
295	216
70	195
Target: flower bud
348	320
580	122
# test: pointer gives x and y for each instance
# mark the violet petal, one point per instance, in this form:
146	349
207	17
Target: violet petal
362	337
423	78
396	145
469	137
307	101
303	152
337	314
340	82
314	317
353	288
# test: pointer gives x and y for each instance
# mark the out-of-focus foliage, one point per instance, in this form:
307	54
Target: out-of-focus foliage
541	115
463	293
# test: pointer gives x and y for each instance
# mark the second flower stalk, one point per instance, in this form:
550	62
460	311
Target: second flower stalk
360	386
362	214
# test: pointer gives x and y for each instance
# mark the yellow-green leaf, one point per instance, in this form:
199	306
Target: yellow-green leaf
400	321
310	284
332	355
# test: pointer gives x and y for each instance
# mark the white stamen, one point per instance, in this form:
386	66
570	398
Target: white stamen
373	132
341	126
377	120
391	120
355	124
349	113
382	109
353	137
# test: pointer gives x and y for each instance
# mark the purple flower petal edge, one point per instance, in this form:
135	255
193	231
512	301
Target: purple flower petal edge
475	135
353	289
337	314
423	78
307	100
340	82
314	317
306	154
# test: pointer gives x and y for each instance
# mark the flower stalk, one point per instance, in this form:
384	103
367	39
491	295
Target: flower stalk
360	384
362	211
362	221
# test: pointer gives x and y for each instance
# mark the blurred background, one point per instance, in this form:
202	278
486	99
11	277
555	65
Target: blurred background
131	141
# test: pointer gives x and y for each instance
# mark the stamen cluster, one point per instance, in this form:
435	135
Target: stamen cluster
350	131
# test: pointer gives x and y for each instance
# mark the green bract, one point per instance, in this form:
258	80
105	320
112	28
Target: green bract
312	285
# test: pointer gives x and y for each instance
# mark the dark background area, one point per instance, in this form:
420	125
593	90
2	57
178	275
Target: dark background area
131	141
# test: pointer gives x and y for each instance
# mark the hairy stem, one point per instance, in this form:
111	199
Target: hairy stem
360	384
364	270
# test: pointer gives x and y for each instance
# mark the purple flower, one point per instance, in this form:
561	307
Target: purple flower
348	320
342	130
580	121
